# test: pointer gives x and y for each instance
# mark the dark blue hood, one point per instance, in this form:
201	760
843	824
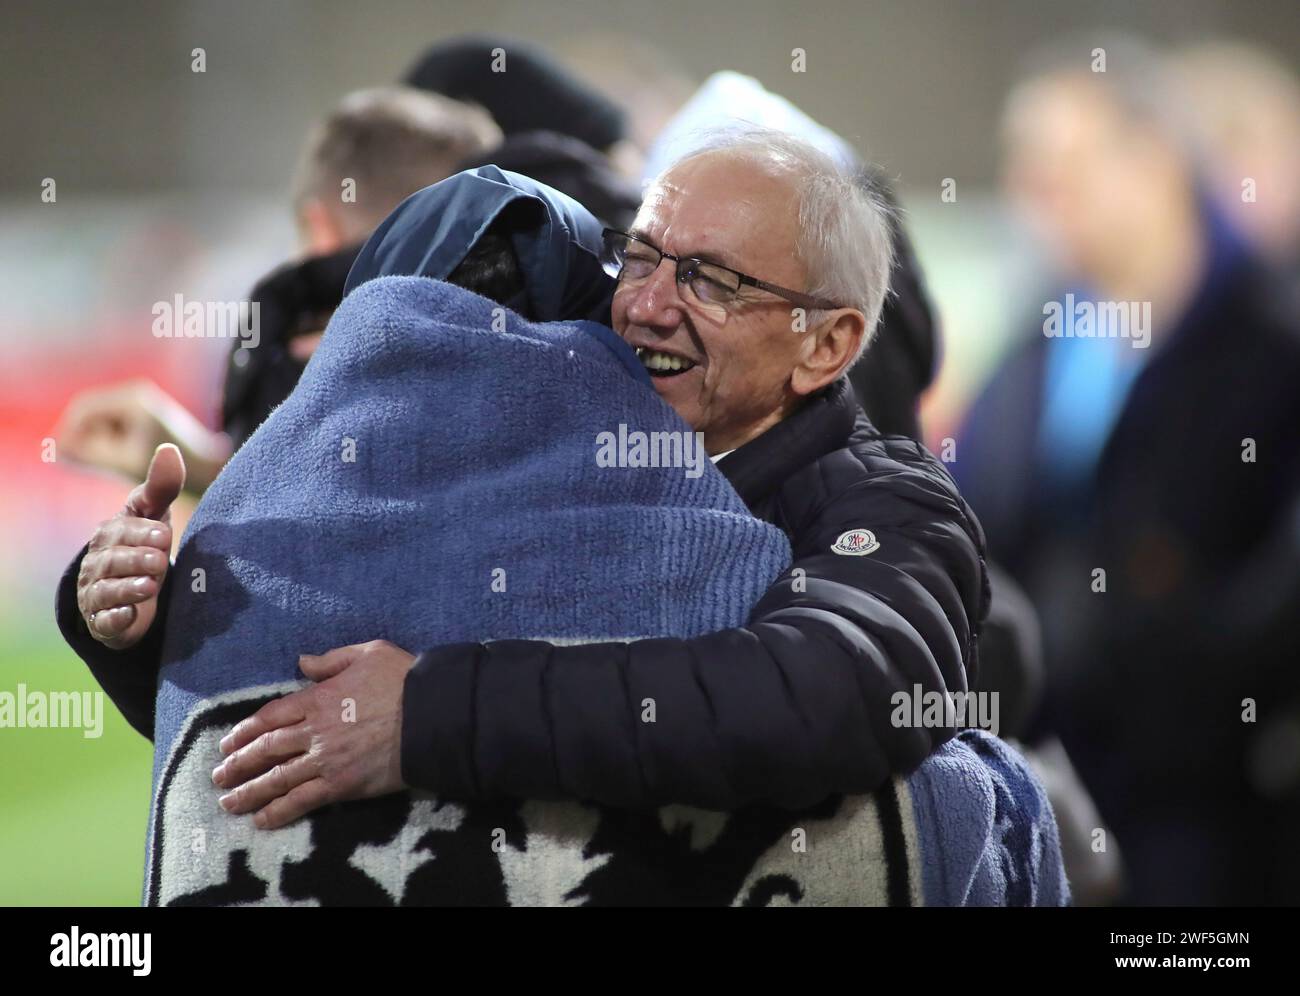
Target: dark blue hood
558	245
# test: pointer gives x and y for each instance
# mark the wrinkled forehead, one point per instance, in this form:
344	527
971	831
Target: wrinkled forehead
728	207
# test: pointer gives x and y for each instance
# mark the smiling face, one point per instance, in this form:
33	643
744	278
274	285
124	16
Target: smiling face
737	366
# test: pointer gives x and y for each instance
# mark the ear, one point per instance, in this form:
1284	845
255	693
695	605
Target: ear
319	231
829	348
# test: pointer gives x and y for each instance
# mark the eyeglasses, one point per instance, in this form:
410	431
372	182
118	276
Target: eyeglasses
632	260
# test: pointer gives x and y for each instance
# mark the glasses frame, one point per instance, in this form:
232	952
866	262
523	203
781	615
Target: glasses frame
682	275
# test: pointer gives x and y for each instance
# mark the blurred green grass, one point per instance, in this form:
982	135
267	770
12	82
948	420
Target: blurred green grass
73	810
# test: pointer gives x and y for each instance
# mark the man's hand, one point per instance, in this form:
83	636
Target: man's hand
123	569
119	428
335	740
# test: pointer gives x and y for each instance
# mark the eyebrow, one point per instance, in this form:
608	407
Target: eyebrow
704	257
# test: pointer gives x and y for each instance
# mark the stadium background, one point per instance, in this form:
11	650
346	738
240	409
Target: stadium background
174	182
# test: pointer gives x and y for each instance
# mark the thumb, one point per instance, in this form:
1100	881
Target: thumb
162	484
326	666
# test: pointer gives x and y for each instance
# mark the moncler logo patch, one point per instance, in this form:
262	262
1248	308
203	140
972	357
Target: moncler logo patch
856	543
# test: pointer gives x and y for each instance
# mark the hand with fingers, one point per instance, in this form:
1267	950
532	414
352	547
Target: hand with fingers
337	739
120	427
127	560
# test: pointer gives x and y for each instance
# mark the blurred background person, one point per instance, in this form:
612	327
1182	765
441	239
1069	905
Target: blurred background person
388	140
1146	498
556	128
376	148
457	113
1246	106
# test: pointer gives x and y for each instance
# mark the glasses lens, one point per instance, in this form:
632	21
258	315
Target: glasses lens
626	258
613	249
639	260
713	285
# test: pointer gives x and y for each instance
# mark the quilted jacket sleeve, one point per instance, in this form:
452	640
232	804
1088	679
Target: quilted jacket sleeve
792	707
130	677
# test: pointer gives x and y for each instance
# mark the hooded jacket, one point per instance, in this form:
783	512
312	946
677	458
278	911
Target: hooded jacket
556	241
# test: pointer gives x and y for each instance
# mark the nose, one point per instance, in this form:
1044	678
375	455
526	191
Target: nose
657	301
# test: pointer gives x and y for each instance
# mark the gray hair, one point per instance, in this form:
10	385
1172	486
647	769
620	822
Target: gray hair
845	236
392	141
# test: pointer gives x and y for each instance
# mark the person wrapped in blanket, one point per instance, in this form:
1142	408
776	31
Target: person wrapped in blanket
457	470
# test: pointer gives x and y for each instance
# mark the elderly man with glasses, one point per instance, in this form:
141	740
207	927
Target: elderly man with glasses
752	278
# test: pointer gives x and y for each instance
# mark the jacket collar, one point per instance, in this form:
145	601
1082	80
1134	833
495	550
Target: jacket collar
821	426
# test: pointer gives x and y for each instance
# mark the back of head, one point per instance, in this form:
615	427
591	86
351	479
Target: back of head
571	167
645	79
389	142
491	268
555	243
520	86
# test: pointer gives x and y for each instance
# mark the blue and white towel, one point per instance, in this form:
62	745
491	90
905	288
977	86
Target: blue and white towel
435	441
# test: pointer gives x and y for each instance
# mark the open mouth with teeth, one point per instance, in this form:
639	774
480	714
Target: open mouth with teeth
659	364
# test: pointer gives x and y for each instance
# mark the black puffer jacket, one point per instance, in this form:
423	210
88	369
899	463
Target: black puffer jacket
787	710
